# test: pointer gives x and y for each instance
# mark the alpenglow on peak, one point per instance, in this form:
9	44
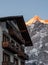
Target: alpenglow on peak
34	19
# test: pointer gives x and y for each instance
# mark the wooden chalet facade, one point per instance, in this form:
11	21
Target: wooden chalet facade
13	39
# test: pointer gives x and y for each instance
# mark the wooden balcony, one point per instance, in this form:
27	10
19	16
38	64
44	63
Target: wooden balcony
18	37
15	34
12	48
7	63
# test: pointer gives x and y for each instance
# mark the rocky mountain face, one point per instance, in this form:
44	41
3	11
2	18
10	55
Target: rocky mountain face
38	53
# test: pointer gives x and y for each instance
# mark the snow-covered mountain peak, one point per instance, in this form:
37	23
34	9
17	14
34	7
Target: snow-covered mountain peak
34	19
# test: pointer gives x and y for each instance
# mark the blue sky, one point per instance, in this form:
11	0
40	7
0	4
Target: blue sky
27	8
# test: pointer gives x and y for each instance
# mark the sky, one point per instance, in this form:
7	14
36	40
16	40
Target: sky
27	8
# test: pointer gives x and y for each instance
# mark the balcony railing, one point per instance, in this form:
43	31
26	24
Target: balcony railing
8	45
16	49
7	63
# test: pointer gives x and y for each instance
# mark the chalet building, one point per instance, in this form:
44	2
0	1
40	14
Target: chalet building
13	39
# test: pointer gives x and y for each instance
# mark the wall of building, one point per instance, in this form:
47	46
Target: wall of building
1	56
3	28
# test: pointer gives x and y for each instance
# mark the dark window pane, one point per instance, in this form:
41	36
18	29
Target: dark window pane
6	57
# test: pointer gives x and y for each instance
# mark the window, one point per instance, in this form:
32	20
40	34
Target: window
16	61
12	43
22	62
6	57
5	38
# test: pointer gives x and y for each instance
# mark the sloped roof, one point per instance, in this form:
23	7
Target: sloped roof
21	24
